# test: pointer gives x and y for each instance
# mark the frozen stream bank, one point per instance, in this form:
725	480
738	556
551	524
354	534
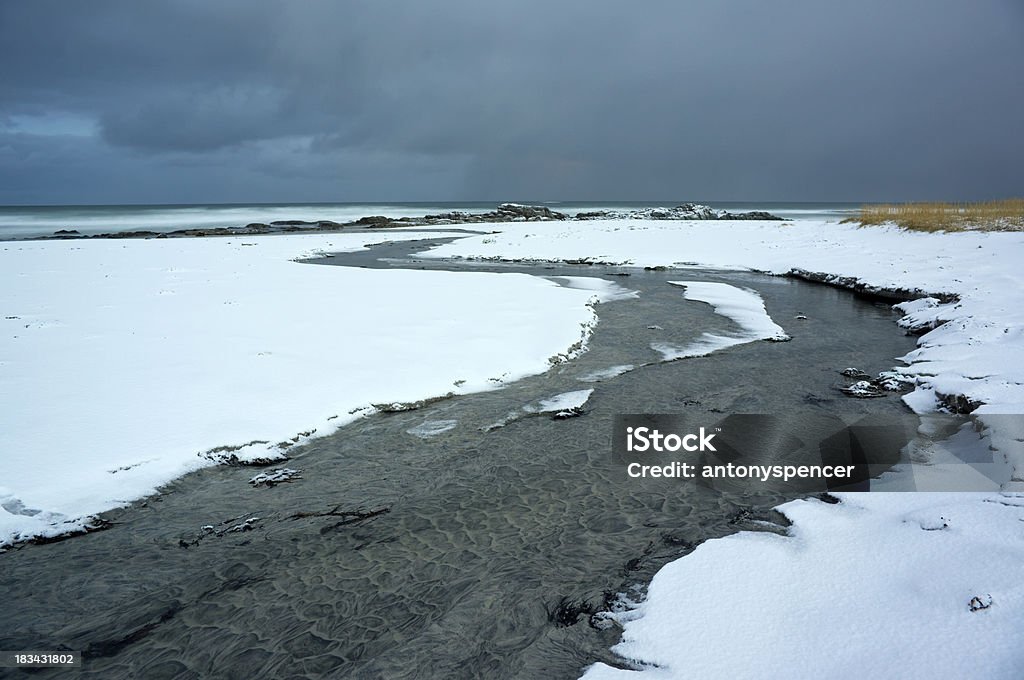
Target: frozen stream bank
426	543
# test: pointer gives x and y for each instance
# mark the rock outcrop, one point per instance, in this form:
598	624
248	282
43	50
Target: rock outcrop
685	211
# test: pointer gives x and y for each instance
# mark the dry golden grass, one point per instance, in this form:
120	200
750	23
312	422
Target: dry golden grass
1005	215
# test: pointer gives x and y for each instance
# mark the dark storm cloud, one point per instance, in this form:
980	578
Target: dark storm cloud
457	99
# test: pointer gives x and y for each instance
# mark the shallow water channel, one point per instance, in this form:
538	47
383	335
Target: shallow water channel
408	550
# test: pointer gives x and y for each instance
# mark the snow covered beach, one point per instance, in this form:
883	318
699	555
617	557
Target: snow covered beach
953	531
905	585
125	364
409	540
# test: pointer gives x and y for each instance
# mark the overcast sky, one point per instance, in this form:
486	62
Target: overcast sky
391	100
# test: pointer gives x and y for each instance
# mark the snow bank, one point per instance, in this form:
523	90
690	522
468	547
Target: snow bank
604	290
870	588
743	306
976	353
882	585
567	401
122	361
560	406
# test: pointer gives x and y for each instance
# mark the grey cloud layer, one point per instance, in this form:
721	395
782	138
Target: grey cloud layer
801	100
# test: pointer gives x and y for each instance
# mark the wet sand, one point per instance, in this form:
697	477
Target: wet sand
467	553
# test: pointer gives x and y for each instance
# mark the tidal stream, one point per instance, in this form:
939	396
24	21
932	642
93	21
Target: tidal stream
421	544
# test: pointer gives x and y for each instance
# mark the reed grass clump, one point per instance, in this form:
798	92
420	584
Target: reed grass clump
1004	215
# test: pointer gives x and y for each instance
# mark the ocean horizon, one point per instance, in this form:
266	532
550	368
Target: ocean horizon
18	222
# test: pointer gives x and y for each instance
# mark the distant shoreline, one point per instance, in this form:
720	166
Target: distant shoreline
504	212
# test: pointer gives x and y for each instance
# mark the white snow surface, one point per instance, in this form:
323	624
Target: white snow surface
560	402
882	584
603	289
743	306
121	361
879	586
